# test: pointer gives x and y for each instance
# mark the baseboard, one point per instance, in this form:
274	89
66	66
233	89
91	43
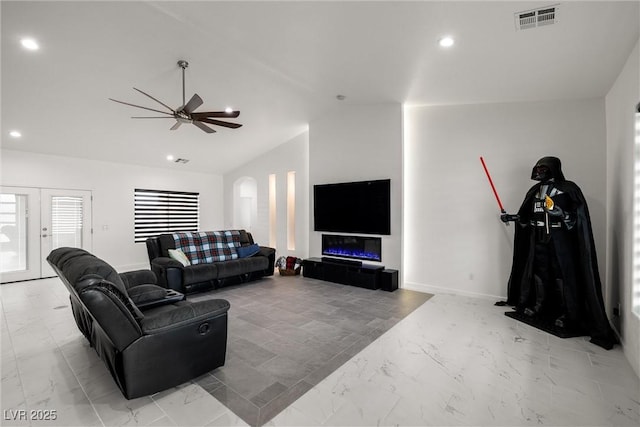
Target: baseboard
132	267
430	289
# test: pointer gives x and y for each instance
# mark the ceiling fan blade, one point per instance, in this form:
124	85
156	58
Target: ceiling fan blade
176	126
139	106
159	102
232	114
219	123
204	127
193	103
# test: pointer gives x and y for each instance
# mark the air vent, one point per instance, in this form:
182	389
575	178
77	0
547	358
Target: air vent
180	160
536	17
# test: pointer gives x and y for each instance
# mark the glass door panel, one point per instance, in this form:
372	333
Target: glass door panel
19	240
65	221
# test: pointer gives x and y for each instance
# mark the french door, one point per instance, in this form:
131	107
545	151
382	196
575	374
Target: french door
33	222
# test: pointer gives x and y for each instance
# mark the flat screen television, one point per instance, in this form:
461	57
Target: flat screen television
353	207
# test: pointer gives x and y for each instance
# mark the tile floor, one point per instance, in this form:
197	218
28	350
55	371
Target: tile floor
286	334
453	361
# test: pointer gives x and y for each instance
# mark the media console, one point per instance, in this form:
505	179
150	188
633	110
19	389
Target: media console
345	272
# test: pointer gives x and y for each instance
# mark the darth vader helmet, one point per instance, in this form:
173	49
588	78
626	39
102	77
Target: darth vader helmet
547	168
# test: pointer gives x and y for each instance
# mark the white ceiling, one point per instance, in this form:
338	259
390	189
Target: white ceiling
282	65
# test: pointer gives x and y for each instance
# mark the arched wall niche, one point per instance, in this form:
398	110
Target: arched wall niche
245	203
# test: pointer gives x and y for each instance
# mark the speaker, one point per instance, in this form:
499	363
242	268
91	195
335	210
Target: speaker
389	280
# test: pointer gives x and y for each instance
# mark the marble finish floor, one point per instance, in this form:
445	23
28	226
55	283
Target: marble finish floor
453	361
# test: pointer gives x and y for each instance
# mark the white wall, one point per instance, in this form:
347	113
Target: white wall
112	186
293	155
357	143
454	240
620	111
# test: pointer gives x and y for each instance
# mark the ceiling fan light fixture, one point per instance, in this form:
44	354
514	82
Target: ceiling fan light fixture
186	112
170	158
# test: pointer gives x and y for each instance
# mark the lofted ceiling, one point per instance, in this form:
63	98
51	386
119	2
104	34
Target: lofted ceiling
281	64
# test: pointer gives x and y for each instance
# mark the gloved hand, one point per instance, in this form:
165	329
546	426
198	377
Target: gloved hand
506	218
551	208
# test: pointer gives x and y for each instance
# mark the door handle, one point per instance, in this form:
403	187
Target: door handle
44	235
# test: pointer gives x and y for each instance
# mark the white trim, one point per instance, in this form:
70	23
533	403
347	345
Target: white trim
430	289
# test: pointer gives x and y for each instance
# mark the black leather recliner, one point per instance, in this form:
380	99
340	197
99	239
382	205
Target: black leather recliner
149	337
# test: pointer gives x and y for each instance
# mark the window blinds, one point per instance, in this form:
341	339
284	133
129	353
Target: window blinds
158	212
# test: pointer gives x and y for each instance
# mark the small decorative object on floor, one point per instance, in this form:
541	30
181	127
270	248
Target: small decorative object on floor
289	266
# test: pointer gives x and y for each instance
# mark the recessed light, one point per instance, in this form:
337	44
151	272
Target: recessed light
29	44
446	41
170	158
15	134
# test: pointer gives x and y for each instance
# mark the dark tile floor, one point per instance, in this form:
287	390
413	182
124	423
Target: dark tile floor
286	334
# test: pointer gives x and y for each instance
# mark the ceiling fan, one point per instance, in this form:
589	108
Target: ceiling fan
186	113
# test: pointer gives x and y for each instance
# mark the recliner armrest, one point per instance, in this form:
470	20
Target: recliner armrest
181	313
169	273
134	278
147	296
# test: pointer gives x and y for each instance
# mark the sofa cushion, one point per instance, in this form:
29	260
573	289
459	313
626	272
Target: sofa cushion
241	266
245	238
197	273
166	242
182	312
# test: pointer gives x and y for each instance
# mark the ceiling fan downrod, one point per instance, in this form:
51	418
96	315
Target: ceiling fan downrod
183	64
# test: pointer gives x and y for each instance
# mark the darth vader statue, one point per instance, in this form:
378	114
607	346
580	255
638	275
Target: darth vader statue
554	283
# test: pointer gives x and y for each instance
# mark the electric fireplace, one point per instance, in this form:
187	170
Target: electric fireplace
354	247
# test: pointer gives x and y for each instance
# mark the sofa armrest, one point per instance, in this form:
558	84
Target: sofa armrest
134	278
270	253
267	251
169	273
181	313
166	262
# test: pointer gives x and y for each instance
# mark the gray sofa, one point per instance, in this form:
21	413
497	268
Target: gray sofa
217	258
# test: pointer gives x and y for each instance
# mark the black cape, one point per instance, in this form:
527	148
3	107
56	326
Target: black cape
586	277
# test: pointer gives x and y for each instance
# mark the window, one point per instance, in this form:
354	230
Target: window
13	232
158	212
66	221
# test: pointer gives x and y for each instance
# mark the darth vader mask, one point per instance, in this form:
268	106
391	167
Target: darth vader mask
547	168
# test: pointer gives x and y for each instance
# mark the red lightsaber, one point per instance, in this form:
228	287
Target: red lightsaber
493	187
